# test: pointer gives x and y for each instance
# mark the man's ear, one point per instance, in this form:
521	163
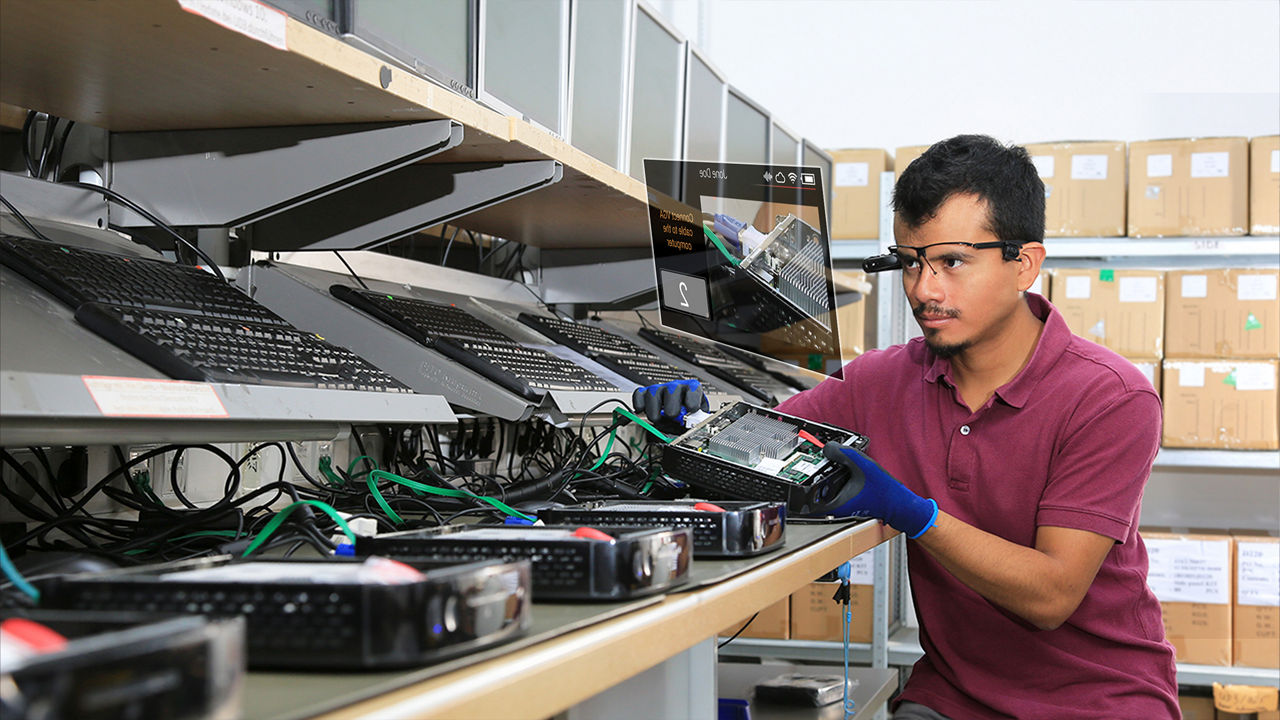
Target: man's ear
1030	260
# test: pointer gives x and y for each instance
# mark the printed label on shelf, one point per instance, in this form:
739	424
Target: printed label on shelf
1190	374
1193	571
1255	376
1044	165
1138	289
1275	161
1195	286
1210	164
863	569
1257	287
1258	573
1160	165
852	174
136	397
247	17
1079	287
1088	167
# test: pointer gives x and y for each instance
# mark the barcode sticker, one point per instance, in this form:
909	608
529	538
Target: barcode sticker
136	397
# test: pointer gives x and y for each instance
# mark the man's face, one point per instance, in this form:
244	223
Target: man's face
961	296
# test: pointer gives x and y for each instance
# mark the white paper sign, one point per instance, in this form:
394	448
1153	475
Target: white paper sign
1275	161
136	397
1190	375
1210	165
1258	573
1079	287
1159	166
1138	289
246	17
1044	165
1255	376
852	174
863	569
1088	167
1257	287
1195	286
1193	571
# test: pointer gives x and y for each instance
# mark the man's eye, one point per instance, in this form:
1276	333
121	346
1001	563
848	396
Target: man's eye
910	263
952	263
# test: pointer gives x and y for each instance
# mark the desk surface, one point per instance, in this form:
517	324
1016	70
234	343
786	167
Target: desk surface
597	645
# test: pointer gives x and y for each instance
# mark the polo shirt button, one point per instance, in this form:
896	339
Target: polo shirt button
964	429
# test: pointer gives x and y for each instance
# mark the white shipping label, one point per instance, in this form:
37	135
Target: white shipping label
1193	571
1138	289
863	569
1195	286
1210	165
1258	573
1079	287
1190	375
1044	165
1257	287
1159	165
135	397
852	174
246	17
1275	161
1148	369
1255	376
1088	167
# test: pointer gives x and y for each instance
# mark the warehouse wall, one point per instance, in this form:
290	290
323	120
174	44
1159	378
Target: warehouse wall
883	74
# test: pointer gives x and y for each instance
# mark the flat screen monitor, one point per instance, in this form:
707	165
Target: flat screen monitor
524	59
746	130
705	100
657	91
321	14
435	39
784	148
597	106
815	156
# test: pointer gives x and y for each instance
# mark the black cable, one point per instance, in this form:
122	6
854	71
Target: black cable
113	195
735	635
50	132
348	267
26	142
61	148
23	219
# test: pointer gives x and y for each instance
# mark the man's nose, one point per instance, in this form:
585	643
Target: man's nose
925	286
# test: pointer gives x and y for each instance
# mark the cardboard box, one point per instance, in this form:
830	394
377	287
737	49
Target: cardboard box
1084	187
1245	701
1192	187
903	156
1222	313
816	616
1042	285
855	209
1191	576
1256	618
1221	404
1150	368
1264	185
773	622
1119	309
851	317
1196	708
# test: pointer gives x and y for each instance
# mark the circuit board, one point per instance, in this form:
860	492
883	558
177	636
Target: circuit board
793	261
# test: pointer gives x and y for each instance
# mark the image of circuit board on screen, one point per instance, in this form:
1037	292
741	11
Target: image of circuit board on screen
792	261
747	452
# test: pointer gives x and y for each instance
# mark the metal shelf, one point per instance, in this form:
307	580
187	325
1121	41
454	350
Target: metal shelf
1218	459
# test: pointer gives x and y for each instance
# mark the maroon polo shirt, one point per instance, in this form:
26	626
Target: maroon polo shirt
1069	443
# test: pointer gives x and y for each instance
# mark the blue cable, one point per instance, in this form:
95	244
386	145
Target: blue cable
845	573
15	577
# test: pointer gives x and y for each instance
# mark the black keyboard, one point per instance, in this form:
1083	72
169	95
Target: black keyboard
613	351
467	340
187	323
710	358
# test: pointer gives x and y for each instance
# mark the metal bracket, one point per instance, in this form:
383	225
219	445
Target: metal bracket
399	203
232	177
44	200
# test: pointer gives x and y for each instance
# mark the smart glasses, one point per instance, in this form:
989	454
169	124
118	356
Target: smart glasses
900	254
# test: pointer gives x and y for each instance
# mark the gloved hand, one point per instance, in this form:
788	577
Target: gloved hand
671	400
872	492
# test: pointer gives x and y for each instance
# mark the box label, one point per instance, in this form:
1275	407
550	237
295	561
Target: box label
1255	376
1258	573
1275	161
1192	571
863	569
136	397
1190	375
852	174
1195	286
1079	287
1148	370
1088	167
1160	165
1138	289
1044	165
1210	164
1256	287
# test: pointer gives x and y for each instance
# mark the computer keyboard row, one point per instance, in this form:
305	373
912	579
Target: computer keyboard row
615	352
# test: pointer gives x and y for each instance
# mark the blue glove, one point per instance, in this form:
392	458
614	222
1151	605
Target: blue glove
671	400
876	493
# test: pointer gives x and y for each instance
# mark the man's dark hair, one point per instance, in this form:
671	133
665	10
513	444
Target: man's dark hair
1003	176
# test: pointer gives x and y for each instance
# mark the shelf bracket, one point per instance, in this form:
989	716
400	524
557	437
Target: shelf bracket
233	177
399	203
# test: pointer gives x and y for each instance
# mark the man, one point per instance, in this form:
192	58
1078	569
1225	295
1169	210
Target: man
1014	454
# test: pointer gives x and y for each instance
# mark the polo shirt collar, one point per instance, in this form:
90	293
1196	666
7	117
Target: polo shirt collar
1053	341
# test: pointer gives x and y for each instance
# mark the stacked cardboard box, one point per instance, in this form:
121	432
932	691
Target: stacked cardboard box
773	622
1084	187
1120	309
1197	187
1191	576
1222	341
903	156
1264	185
855	207
816	616
1256	617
